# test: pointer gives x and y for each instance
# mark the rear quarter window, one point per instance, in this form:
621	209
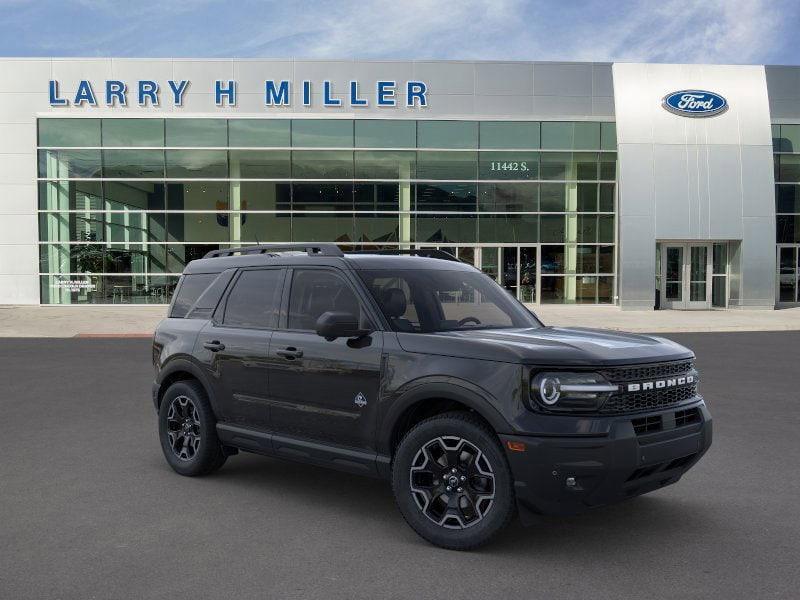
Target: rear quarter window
189	290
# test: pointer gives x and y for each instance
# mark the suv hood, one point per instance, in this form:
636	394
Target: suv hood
547	346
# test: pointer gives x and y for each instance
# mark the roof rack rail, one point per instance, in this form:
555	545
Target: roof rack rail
327	249
424	252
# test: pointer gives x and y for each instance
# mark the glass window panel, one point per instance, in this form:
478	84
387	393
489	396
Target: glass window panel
322	227
191	288
314	292
787	288
776	138
322	164
606	197
322	133
259	133
790	138
147	164
264	227
553	259
553	197
254	300
63	164
718	292
377	227
445	228
101	258
69	132
787	263
789	170
322	196
447	165
197	163
385	164
787	198
587	197
608	166
605	290
587	229
198	227
77	227
508	197
586	259
180	255
133	132
382	133
720	262
553	228
509	134
263	195
608	136
70	195
489	262
557	135
587	136
585	289
552	290
515	228
260	164
134	195
509	165
788	229
108	289
382	196
196	133
605	262
198	195
556	165
447	134
585	166
605	228
456	197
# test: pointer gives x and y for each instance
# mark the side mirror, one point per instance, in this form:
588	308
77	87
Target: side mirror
332	325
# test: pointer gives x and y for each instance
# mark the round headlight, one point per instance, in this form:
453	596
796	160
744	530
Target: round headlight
549	390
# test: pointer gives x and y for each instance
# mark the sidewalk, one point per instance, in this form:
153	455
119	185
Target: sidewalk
140	321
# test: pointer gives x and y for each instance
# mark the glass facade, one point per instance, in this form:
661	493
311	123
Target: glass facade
124	204
786	148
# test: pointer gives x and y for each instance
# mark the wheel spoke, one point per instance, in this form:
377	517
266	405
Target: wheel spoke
183	428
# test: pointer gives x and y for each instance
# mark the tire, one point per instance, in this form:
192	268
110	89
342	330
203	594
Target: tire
187	430
480	501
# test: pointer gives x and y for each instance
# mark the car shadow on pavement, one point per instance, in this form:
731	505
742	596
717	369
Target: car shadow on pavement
634	521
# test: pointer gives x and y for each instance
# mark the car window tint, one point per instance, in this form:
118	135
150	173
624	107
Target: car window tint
189	291
316	291
253	301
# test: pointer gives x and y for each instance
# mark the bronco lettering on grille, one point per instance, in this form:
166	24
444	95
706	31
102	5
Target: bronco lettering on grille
660	384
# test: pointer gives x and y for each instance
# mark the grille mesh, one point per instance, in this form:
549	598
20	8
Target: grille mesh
624	402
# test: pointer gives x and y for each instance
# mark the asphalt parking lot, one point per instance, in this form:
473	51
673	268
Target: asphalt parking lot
89	508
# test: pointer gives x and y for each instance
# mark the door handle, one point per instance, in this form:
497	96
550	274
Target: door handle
290	353
214	346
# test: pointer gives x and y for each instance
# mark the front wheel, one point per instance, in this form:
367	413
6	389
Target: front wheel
452	482
187	430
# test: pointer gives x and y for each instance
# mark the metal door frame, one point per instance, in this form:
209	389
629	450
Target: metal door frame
686	248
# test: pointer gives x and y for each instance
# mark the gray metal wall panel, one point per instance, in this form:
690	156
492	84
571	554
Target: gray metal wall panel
562	79
672	197
515	79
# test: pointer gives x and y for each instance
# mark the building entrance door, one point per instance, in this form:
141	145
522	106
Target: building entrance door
686	275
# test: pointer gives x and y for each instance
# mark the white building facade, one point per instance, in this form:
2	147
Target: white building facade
642	185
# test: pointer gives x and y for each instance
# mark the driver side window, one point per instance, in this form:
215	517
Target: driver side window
317	291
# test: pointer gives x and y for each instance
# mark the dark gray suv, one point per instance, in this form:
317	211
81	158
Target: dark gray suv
417	368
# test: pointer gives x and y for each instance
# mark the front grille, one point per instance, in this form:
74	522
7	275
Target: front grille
651	399
687	417
647	424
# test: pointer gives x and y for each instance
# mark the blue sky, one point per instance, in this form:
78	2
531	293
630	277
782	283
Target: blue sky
713	31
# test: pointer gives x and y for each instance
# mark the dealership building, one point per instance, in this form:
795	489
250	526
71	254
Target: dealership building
640	185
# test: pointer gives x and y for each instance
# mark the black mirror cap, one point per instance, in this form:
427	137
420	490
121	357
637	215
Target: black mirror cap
332	325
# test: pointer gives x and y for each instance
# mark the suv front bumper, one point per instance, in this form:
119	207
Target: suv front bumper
567	475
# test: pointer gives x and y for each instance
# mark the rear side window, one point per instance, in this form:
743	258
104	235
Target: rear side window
254	299
189	291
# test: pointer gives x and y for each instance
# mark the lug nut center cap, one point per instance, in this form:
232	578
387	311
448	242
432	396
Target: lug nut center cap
452	481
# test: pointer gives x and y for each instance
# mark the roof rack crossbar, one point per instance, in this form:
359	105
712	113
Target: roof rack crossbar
326	249
424	252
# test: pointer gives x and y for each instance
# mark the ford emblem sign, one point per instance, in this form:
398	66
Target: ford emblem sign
695	103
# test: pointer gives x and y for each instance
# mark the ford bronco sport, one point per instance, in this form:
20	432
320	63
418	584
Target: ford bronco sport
417	368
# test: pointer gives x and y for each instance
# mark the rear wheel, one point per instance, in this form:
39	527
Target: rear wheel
187	430
452	482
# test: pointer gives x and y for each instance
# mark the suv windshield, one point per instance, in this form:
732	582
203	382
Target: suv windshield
428	301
